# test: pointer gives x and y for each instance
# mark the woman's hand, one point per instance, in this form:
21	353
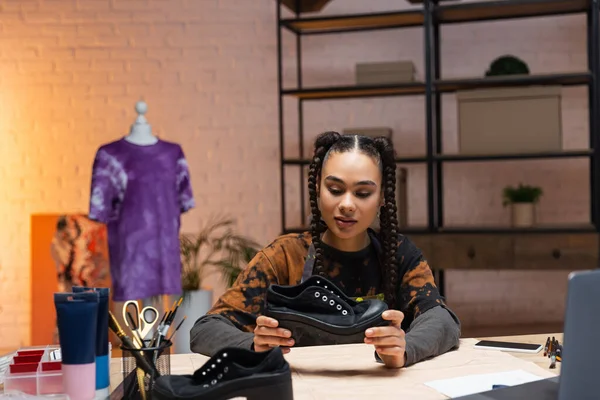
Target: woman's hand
389	341
267	335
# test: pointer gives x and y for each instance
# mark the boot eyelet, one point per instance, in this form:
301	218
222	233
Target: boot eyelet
344	312
213	382
225	369
339	307
331	302
219	376
324	298
317	294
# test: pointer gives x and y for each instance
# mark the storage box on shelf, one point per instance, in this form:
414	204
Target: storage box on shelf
35	371
509	120
381	73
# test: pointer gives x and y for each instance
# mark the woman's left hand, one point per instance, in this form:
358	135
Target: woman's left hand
389	341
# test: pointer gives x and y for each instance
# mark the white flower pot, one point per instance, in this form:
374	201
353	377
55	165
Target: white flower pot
195	304
522	214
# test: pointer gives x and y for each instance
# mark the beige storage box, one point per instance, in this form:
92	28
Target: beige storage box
401	173
382	73
509	120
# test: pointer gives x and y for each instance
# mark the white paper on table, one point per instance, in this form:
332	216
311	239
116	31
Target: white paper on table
470	384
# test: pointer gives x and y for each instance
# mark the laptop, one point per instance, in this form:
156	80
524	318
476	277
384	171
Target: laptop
579	378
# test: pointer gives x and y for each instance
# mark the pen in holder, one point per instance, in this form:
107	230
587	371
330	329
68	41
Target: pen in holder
136	383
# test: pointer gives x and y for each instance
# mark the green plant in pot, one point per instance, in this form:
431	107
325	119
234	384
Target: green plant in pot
216	248
522	200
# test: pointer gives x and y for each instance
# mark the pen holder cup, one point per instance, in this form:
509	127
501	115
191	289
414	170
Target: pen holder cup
133	376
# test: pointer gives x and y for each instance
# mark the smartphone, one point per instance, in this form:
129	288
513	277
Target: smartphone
509	346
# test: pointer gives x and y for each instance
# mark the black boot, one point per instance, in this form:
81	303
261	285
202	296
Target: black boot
319	313
232	372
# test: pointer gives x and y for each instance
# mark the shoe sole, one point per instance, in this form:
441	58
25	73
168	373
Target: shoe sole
266	386
307	331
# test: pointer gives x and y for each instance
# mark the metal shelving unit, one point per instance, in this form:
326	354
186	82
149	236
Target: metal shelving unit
431	16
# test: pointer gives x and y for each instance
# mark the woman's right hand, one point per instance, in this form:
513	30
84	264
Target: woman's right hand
267	335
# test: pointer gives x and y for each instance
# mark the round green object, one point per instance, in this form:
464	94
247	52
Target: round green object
507	65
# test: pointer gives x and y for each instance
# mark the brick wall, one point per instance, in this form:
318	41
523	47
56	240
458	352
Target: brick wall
72	70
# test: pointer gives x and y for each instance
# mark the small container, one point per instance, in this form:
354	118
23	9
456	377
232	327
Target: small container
33	371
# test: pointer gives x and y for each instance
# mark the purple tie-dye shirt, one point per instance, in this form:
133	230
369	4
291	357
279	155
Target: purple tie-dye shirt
139	192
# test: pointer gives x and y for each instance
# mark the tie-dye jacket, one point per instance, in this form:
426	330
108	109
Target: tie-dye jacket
282	262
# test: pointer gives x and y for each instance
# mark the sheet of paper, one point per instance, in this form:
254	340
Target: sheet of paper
470	384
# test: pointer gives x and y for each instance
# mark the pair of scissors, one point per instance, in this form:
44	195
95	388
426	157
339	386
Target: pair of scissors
142	321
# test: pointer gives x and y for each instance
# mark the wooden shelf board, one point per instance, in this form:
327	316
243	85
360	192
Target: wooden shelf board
514	156
354	91
566	79
349	23
562	228
505	9
442	86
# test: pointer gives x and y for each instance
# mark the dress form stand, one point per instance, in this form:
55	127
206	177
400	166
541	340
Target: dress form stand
141	134
141	131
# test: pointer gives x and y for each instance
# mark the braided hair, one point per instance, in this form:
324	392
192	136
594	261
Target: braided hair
382	151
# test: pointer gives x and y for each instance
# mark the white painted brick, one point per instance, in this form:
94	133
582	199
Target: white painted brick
91	54
130	5
35	66
99	78
96	29
93	5
66	65
131	29
41	18
20	5
58	29
121	77
164	54
113	16
104	64
127	54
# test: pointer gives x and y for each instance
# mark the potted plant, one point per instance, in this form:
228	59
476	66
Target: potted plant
216	248
522	200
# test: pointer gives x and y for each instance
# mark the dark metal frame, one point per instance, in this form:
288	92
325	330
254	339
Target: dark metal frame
433	16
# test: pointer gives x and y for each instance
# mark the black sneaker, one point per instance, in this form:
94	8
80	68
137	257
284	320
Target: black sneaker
232	372
319	313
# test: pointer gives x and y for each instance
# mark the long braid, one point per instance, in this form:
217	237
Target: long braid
322	146
388	219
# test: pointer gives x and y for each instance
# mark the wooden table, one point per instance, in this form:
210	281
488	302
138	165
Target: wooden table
350	371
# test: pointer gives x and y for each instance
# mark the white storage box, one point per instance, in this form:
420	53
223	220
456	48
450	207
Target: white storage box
381	73
509	120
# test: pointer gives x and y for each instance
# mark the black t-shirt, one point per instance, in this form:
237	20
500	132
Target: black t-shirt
357	273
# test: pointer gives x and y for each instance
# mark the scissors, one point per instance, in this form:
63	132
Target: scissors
143	321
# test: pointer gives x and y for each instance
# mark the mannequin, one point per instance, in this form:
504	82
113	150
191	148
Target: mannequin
141	131
140	187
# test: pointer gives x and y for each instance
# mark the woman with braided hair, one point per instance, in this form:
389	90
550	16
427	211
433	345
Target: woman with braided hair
351	183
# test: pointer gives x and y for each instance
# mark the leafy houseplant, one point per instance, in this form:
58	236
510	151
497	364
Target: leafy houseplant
521	194
217	247
522	200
